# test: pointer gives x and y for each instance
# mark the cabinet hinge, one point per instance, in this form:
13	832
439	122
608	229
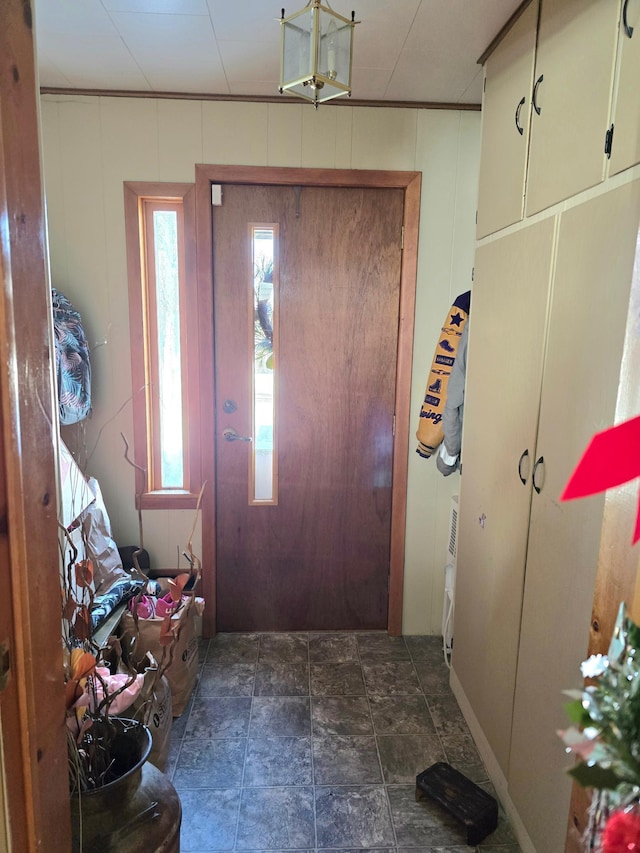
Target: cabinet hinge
473	273
394	426
402	238
484	85
216	195
608	142
476	217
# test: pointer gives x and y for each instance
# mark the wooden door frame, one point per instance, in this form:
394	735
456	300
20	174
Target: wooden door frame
410	182
35	779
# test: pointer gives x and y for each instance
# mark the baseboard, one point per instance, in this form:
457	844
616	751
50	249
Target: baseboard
493	768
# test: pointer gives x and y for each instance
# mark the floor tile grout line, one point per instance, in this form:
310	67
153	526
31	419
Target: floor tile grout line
384	783
437	730
190	708
313	768
246	745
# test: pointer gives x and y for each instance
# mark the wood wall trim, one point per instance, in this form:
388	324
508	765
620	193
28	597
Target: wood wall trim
502	33
11	734
408	278
40	822
134	193
255	99
410	182
204	272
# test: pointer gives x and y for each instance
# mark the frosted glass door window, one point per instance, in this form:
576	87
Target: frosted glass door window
263	480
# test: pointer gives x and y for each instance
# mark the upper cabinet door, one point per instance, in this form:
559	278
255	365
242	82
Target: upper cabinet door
571	98
626	138
506	112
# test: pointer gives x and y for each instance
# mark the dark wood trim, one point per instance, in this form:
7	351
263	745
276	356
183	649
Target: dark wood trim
291	176
134	274
167	500
410	182
158	189
204	278
192	345
502	33
409	274
255	99
35	742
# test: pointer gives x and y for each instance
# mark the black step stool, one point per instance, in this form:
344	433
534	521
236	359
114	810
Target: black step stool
462	798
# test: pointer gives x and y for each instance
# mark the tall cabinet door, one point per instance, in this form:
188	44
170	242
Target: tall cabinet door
626	138
594	267
506	111
574	79
506	345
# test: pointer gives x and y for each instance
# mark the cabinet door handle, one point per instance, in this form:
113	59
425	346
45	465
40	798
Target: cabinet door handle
539	461
525	453
518	108
535	94
627	28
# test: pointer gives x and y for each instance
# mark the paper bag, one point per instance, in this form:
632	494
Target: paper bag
180	661
154	708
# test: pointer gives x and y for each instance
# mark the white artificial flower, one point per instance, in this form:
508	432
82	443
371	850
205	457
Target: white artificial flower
594	666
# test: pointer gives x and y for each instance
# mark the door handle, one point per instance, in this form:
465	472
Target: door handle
535	94
539	461
627	28
518	125
231	434
525	453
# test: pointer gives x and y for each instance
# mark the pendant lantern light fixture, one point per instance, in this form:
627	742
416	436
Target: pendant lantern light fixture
316	53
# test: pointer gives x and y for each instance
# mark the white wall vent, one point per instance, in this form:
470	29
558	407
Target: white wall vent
450	581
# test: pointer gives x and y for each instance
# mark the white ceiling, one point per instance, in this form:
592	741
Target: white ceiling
404	50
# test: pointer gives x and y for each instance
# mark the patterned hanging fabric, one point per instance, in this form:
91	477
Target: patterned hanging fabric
430	431
73	369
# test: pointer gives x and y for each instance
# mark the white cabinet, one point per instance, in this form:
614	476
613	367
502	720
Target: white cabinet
575	62
504	375
625	150
552	77
593	273
505	125
549	309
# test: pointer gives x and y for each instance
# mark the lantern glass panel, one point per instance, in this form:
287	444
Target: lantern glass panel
297	52
335	48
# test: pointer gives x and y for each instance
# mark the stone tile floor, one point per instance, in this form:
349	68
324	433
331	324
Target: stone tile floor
312	742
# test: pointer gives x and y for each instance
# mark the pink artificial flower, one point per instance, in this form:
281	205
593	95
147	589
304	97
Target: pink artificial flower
122	688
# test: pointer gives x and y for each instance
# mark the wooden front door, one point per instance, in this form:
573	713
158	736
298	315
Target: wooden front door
311	549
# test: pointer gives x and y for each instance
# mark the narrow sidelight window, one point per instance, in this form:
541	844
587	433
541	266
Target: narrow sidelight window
165	271
164	400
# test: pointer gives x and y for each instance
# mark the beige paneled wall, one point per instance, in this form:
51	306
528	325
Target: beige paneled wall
447	154
91	145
